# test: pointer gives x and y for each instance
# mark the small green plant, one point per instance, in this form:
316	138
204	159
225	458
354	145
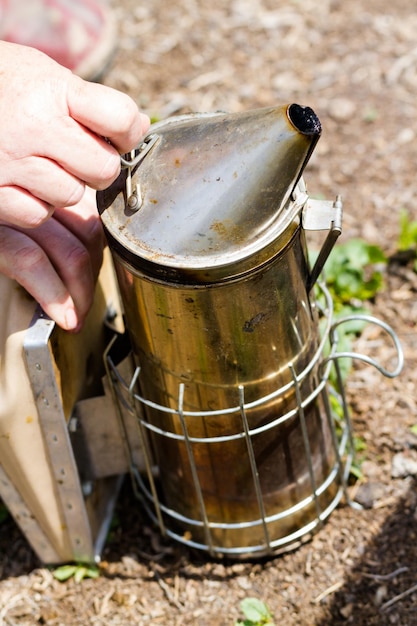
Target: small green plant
256	613
78	571
359	444
360	456
354	274
370	115
407	239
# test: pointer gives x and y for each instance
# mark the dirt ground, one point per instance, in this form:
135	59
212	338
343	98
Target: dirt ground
355	64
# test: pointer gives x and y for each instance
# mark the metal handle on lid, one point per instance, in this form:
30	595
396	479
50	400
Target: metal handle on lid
133	195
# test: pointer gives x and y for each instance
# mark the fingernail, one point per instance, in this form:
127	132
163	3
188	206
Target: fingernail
71	319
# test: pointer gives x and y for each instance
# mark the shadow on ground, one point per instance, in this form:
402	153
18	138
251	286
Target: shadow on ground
382	587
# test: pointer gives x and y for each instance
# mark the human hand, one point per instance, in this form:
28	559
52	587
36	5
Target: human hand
58	262
55	135
59	135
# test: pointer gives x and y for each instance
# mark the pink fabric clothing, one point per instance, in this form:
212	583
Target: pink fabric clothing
78	34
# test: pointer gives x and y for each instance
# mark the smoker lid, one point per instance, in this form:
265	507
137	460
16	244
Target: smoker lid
214	188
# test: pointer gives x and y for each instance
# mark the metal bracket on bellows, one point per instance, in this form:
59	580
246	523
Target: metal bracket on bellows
323	215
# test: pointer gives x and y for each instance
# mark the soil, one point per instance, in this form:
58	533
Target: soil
355	64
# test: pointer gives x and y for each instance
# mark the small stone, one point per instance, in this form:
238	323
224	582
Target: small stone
244	582
405	135
341	109
380	595
346	611
403	465
368	493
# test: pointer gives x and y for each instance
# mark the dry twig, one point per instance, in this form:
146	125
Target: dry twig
166	589
383	577
399	597
328	591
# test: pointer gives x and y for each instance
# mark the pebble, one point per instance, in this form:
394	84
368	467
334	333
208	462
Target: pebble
341	109
403	465
346	611
244	582
405	135
380	595
368	493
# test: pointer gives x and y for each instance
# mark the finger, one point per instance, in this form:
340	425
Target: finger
114	115
20	208
84	222
91	158
70	259
21	259
44	179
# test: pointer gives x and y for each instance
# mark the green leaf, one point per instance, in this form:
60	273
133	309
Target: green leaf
79	572
255	610
336	407
370	115
353	271
359	443
407	238
414	429
92	572
64	572
356	471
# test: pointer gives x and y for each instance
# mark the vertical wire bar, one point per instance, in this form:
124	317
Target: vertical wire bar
110	367
194	472
346	413
146	454
348	423
254	468
330	420
333	338
335	440
307	447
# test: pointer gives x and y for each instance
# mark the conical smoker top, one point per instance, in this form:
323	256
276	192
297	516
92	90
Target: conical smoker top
214	189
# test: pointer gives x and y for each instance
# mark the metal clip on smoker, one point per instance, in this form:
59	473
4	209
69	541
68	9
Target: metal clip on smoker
219	399
233	354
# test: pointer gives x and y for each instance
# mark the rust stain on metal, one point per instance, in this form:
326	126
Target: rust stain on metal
227	230
219	228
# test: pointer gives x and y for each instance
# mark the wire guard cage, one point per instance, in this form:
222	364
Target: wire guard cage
304	485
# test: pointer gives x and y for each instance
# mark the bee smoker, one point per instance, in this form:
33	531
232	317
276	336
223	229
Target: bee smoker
206	225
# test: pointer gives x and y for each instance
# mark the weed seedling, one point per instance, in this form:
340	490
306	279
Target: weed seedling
256	613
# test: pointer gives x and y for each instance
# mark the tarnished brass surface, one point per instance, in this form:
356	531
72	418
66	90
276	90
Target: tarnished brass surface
212	340
213	275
